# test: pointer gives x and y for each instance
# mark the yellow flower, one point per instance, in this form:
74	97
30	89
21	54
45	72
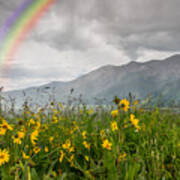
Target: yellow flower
90	111
124	105
114	113
86	158
135	122
36	149
61	156
125	126
122	157
21	134
46	149
71	158
25	156
106	144
84	134
38	124
71	149
33	137
114	126
86	145
23	129
4	156
135	102
67	144
20	122
31	121
102	133
54	119
16	139
4	127
51	139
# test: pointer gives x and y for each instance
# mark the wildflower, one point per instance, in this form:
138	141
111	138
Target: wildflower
33	137
54	119
135	122
86	145
20	122
116	100
114	113
38	124
23	129
4	127
67	144
72	131
114	126
31	121
61	156
124	105
46	149
51	139
71	158
102	133
25	156
90	111
36	149
86	158
135	102
122	157
21	134
4	156
84	134
106	144
125	126
71	149
16	139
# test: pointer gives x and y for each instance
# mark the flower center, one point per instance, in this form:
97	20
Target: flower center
4	127
2	156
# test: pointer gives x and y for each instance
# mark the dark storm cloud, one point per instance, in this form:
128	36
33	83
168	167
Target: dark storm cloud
125	24
86	34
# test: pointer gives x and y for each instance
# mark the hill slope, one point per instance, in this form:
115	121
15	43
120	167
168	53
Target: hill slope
142	79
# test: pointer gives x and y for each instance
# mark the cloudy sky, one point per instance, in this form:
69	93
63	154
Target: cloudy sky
77	36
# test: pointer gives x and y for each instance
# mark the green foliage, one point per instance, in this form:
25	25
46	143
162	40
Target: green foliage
82	143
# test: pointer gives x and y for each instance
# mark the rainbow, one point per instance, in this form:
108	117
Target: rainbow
18	26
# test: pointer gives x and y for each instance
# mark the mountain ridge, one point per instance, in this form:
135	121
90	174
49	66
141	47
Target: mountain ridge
155	77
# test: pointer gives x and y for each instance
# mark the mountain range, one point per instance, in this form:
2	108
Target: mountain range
155	78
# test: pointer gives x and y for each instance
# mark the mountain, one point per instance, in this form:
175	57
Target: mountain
153	78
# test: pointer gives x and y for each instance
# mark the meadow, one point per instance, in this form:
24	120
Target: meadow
79	142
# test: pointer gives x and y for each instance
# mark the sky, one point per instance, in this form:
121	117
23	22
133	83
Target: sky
77	36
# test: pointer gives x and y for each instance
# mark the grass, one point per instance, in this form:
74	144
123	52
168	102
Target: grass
83	143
